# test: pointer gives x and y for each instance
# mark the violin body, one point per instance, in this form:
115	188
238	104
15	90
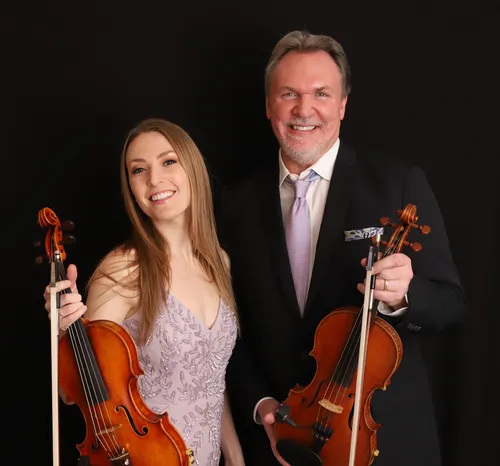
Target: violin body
96	366
122	422
323	410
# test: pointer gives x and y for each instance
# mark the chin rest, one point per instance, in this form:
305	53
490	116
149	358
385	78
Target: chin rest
297	455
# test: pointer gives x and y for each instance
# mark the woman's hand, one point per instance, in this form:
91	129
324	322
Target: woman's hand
71	307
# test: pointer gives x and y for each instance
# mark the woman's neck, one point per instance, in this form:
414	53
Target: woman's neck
178	239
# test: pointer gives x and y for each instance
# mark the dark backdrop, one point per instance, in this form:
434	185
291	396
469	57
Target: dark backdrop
83	75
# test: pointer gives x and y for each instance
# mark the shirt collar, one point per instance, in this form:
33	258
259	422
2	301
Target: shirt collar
323	166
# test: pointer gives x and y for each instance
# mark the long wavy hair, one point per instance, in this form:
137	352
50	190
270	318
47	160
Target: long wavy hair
148	252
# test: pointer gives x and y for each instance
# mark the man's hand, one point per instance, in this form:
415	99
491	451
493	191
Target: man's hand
266	410
394	274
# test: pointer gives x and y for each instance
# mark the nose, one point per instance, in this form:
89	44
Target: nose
153	179
304	107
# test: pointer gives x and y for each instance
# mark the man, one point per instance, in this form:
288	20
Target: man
282	299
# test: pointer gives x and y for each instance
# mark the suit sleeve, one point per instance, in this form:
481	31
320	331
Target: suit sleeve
244	381
435	295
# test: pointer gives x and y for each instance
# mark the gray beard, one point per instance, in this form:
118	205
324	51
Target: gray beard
301	157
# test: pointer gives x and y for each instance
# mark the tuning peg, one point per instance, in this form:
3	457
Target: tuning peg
41	258
417	247
424	229
68	225
68	239
385	221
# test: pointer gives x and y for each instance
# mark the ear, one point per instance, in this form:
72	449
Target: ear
268	111
343	105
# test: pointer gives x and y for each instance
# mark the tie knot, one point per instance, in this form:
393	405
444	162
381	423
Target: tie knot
302	185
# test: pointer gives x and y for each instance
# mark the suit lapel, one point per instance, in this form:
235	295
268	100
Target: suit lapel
336	206
272	221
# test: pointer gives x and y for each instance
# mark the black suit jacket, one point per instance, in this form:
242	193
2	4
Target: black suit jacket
273	352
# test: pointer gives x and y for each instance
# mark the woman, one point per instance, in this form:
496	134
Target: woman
170	287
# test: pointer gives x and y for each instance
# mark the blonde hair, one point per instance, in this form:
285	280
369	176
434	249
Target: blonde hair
304	41
151	278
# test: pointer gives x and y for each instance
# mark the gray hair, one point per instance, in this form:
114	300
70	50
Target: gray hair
304	41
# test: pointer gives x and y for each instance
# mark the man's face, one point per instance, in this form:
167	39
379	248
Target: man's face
305	105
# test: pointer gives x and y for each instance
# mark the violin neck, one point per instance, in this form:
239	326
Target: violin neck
90	374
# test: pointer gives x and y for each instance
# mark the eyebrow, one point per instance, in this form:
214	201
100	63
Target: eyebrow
318	89
159	156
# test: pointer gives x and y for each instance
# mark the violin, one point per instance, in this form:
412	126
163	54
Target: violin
96	365
329	421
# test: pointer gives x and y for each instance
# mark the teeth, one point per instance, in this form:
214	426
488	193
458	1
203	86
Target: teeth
303	128
164	195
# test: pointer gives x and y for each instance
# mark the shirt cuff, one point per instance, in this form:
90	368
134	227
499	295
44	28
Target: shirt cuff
389	311
256	416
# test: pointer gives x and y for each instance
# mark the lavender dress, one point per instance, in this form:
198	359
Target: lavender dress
184	365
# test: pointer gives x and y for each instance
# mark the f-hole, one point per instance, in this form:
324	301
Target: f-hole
314	397
141	432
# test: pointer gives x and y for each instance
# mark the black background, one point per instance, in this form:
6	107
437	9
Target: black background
84	74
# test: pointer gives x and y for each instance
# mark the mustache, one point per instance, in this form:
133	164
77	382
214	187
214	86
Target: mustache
303	122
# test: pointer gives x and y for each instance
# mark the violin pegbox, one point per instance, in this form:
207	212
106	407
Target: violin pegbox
408	219
56	237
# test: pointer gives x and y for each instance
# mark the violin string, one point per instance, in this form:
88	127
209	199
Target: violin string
354	339
77	346
83	359
97	407
352	350
357	334
72	335
76	341
334	384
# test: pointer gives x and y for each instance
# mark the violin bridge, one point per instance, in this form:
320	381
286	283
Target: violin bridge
331	406
109	430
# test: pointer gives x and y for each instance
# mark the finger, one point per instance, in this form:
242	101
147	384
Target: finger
391	298
70	311
66	322
268	418
71	308
69	298
385	284
72	275
66	299
60	286
395	260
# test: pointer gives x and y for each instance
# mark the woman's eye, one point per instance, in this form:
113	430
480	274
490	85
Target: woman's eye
169	162
137	170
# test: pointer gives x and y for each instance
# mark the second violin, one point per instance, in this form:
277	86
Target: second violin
315	423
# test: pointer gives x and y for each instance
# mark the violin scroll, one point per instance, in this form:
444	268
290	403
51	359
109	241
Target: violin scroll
408	218
56	237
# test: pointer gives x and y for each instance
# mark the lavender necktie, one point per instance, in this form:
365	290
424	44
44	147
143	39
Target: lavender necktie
298	237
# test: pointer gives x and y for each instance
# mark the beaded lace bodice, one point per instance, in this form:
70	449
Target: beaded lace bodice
184	365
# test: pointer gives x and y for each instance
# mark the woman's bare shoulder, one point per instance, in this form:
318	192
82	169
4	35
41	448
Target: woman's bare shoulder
118	266
113	288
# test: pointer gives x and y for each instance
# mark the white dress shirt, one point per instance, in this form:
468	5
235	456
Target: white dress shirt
316	200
